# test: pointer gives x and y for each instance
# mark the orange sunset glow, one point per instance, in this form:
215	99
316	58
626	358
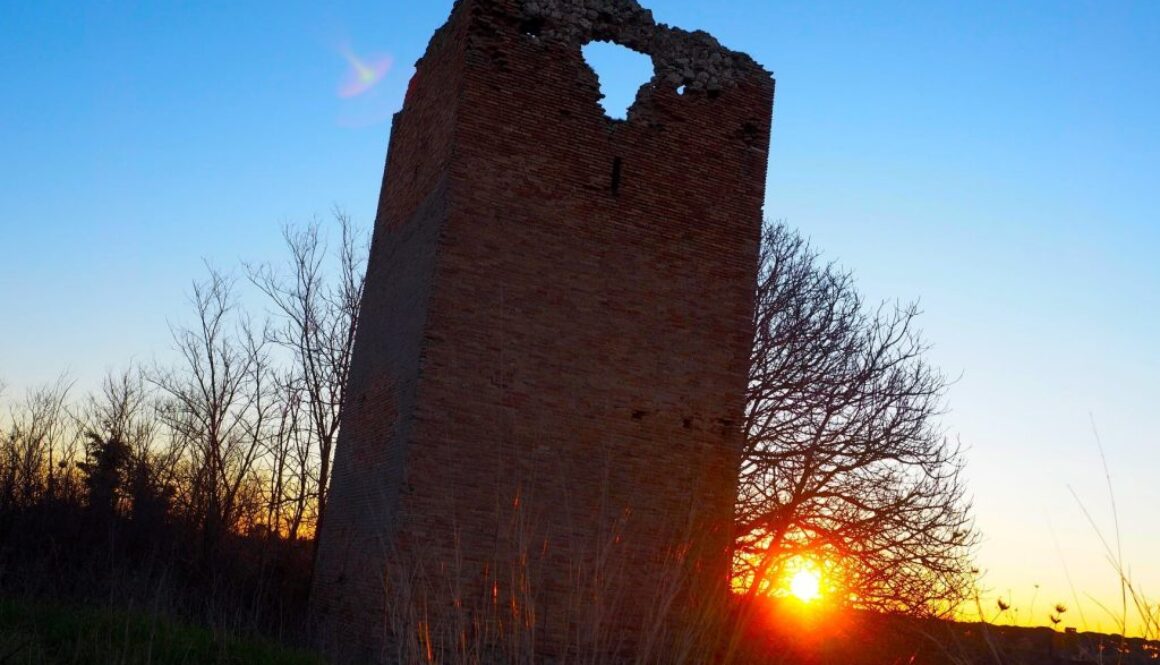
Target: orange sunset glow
799	578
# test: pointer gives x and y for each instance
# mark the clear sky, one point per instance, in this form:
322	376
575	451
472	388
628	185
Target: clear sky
998	161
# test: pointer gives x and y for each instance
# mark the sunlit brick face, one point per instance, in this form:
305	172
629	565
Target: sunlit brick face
548	380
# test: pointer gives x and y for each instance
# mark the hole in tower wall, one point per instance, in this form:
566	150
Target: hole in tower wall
621	72
617	165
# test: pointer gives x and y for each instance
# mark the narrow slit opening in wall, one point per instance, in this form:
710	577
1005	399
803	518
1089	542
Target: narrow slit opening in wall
617	164
532	26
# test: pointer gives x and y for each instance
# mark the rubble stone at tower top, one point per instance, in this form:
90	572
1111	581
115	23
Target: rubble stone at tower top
693	59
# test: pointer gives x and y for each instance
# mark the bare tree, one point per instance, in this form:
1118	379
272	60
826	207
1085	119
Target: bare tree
845	463
38	446
218	407
316	297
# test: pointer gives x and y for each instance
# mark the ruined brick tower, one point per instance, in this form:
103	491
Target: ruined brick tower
542	433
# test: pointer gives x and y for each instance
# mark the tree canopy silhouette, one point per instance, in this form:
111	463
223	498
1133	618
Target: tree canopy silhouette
845	463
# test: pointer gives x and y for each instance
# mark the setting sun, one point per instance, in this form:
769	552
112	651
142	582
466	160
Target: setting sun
805	585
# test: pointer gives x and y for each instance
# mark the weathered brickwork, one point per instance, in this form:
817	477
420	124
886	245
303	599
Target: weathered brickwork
544	405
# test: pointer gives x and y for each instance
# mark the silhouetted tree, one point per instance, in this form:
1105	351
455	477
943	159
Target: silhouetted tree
316	297
37	447
845	463
127	460
218	405
105	468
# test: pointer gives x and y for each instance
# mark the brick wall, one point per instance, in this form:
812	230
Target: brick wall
549	374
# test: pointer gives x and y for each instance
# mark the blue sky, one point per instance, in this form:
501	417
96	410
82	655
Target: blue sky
997	161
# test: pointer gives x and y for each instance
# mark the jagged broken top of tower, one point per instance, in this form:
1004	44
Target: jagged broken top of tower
693	59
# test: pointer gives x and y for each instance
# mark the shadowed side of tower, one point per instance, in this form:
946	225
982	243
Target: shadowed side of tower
542	436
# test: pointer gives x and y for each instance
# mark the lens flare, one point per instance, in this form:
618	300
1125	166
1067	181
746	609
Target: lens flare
363	74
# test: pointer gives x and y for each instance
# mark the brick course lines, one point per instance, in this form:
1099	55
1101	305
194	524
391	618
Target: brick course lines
549	374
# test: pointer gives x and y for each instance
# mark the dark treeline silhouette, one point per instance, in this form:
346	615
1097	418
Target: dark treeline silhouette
197	484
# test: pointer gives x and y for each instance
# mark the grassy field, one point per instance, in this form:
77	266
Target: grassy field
34	632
